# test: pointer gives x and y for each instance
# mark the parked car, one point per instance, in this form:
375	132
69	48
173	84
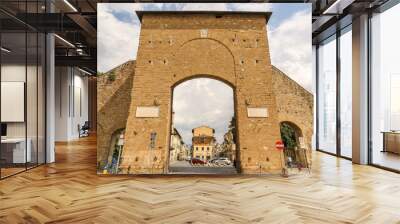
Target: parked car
213	160
198	161
222	161
188	158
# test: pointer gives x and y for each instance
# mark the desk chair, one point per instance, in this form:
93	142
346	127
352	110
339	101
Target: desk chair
84	130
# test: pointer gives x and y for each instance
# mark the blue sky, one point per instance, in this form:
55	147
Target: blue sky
280	11
289	32
289	35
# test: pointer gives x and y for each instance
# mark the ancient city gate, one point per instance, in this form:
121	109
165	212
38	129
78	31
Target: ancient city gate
174	47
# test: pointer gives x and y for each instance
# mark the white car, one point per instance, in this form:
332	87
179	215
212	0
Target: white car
222	161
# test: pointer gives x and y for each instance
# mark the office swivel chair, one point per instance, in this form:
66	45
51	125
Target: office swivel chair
84	130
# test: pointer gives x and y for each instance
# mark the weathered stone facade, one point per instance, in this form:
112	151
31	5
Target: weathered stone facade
294	105
231	47
203	143
113	100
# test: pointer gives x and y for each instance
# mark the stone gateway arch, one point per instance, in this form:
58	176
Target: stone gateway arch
229	46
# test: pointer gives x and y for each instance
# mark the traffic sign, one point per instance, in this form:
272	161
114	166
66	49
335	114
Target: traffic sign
279	145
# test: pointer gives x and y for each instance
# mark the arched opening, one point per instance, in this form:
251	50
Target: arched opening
115	152
203	126
292	137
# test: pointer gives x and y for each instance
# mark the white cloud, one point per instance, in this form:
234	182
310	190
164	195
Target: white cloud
290	47
290	41
207	7
206	101
251	7
117	41
210	102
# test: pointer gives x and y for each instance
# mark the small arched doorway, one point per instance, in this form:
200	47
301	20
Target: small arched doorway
115	152
292	138
203	127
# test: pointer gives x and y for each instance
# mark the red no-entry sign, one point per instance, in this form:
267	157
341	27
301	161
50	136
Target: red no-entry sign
279	145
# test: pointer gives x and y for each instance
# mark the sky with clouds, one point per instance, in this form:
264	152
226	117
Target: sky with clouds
289	35
210	103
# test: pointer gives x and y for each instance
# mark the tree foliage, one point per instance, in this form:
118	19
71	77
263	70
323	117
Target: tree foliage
232	128
288	135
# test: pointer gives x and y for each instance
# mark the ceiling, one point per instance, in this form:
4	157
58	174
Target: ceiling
75	21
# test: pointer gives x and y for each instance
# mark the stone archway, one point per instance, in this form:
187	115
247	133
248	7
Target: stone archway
203	107
180	50
297	135
295	148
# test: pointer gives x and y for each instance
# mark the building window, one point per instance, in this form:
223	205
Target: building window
385	89
327	95
202	148
346	92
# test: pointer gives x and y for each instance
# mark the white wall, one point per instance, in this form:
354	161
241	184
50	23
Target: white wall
71	102
16	73
33	126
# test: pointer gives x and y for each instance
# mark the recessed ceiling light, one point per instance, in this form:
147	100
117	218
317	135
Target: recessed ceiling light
5	50
64	40
86	72
70	5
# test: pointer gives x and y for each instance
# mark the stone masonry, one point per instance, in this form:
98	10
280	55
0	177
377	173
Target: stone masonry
294	105
113	101
230	47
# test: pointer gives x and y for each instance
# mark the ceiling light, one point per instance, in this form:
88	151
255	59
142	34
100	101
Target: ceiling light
338	6
86	72
70	5
5	50
64	40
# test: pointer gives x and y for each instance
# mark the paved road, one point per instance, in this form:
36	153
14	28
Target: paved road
184	167
180	164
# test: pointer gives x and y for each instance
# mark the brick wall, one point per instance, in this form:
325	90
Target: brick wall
113	101
175	48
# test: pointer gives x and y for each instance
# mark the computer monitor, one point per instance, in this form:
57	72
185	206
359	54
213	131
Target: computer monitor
3	130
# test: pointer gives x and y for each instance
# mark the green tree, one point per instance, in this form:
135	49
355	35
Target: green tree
288	135
232	128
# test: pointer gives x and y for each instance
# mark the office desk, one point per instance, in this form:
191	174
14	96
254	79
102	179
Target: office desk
391	142
13	150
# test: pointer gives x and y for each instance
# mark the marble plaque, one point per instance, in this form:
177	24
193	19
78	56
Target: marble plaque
257	112
147	112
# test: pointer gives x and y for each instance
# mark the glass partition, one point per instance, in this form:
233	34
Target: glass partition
327	95
385	89
31	98
346	92
22	101
13	94
41	97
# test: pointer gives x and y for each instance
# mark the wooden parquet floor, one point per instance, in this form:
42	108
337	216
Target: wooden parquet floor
69	191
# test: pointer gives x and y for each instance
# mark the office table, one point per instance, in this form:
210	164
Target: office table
391	141
13	150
